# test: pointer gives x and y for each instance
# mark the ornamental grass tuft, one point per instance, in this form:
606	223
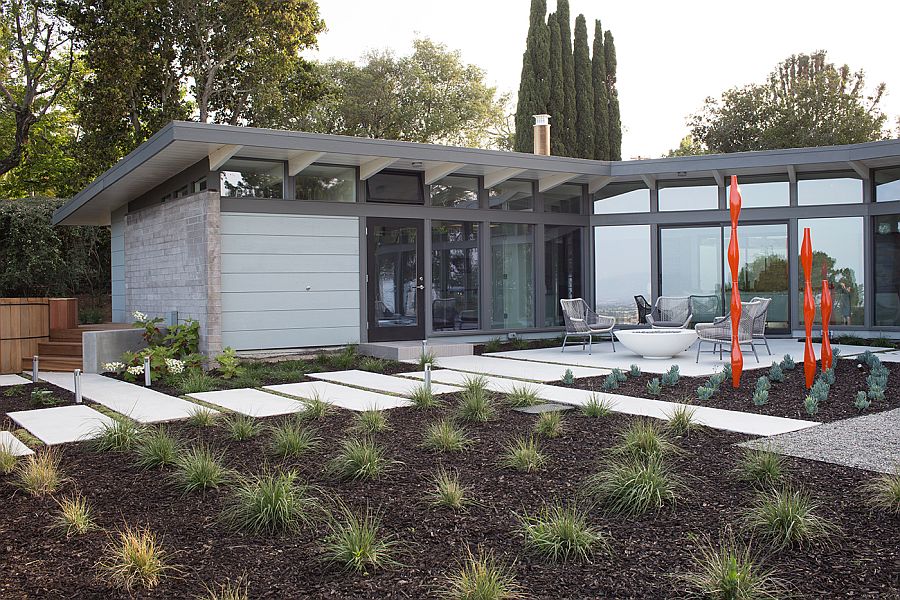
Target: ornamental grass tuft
74	516
786	518
291	438
242	427
549	424
641	441
523	454
561	533
482	577
422	397
39	474
883	492
8	458
371	421
355	541
521	396
199	469
157	449
632	487
597	406
134	560
762	467
270	503
448	492
682	420
727	570
201	416
444	436
315	408
117	435
359	458
476	405
231	590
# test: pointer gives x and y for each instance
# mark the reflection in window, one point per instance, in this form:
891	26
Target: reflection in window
562	271
684	195
241	178
836	188
759	194
887	270
691	261
763	269
838	258
887	185
398	188
455	192
563	199
326	184
618	281
454	275
512	195
512	261
624	197
396	262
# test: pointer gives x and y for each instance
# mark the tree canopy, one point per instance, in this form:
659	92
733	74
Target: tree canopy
806	101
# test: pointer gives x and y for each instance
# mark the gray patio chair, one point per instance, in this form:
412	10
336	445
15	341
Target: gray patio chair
718	333
643	307
759	323
582	322
671	311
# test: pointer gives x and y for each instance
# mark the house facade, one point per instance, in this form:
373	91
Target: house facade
278	239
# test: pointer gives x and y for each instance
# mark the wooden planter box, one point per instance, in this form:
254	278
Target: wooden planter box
24	322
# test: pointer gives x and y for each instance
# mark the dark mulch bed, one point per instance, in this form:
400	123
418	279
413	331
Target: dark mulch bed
647	551
785	398
520	344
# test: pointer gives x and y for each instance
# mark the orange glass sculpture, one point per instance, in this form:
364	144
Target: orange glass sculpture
734	255
827	356
809	308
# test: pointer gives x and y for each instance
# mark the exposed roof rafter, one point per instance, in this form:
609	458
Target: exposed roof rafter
374	166
719	177
545	184
649	181
792	173
300	161
437	171
220	156
598	183
861	169
498	176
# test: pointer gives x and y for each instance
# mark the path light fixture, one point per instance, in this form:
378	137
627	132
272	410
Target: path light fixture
734	256
146	371
77	374
34	368
428	377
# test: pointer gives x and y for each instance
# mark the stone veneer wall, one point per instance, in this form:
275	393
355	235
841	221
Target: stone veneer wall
172	263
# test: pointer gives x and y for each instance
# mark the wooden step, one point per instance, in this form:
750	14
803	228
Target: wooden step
65	335
73	349
54	363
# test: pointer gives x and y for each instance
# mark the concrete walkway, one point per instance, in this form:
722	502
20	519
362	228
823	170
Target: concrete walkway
250	401
62	424
10	443
380	383
729	420
516	369
135	401
339	395
869	442
8	380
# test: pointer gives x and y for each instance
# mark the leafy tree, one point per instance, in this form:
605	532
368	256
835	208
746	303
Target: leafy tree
563	17
430	96
615	122
806	101
557	103
601	96
36	58
687	147
534	85
584	92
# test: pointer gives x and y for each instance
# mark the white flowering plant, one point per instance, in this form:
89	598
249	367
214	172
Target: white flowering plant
152	335
113	367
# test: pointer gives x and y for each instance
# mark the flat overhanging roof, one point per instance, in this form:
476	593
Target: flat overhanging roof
180	144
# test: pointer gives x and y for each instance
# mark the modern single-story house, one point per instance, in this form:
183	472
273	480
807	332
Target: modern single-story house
282	239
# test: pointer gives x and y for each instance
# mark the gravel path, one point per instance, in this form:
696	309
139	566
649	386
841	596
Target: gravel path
869	442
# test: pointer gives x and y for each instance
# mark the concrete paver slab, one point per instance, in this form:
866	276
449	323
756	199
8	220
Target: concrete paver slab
62	424
340	395
249	401
379	382
516	369
11	443
8	380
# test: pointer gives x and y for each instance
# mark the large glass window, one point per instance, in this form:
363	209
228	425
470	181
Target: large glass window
829	188
512	195
887	185
562	269
688	195
512	261
763	269
691	264
837	257
455	192
397	188
622	197
563	199
242	178
760	194
622	263
325	183
454	275
887	270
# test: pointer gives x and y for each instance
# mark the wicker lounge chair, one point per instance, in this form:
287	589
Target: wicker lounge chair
671	311
718	333
582	322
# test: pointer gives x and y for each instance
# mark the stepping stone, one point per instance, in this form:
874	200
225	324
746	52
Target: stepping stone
135	401
7	380
544	408
380	383
252	402
62	424
500	385
515	369
340	395
13	444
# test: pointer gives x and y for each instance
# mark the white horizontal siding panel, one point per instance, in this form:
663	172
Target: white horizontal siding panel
252	301
290	338
289	319
283	244
290	282
289	263
289	225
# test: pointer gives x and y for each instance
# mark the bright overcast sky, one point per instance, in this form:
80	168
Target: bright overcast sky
671	55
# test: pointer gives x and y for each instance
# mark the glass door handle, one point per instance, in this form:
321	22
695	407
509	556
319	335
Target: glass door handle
420	287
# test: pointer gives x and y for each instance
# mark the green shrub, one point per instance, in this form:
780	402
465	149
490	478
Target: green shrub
355	542
819	391
422	397
883	492
568	378
199	469
671	377
482	577
74	516
763	384
811	405
760	397
135	560
633	487
762	467
371	421
561	533
716	380
828	376
523	454
682	420
315	408
201	416
117	435
654	387
270	503
876	393
448	492
611	382
522	395
427	358
372	364
195	381
862	401
359	458
444	436
42	397
38	474
476	405
620	375
597	407
642	441
229	364
727	571
493	345
705	393
157	449
242	427
290	439
549	424
786	518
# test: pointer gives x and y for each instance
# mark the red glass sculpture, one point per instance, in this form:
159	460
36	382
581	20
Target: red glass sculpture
734	254
827	355
809	308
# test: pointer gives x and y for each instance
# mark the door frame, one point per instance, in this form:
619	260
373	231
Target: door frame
399	333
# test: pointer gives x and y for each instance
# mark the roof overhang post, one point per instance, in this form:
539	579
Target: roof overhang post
545	184
374	166
437	171
649	181
220	156
719	177
298	162
792	174
861	169
498	176
598	183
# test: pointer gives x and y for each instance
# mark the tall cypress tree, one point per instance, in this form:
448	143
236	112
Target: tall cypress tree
534	86
557	101
565	35
584	92
615	122
601	96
